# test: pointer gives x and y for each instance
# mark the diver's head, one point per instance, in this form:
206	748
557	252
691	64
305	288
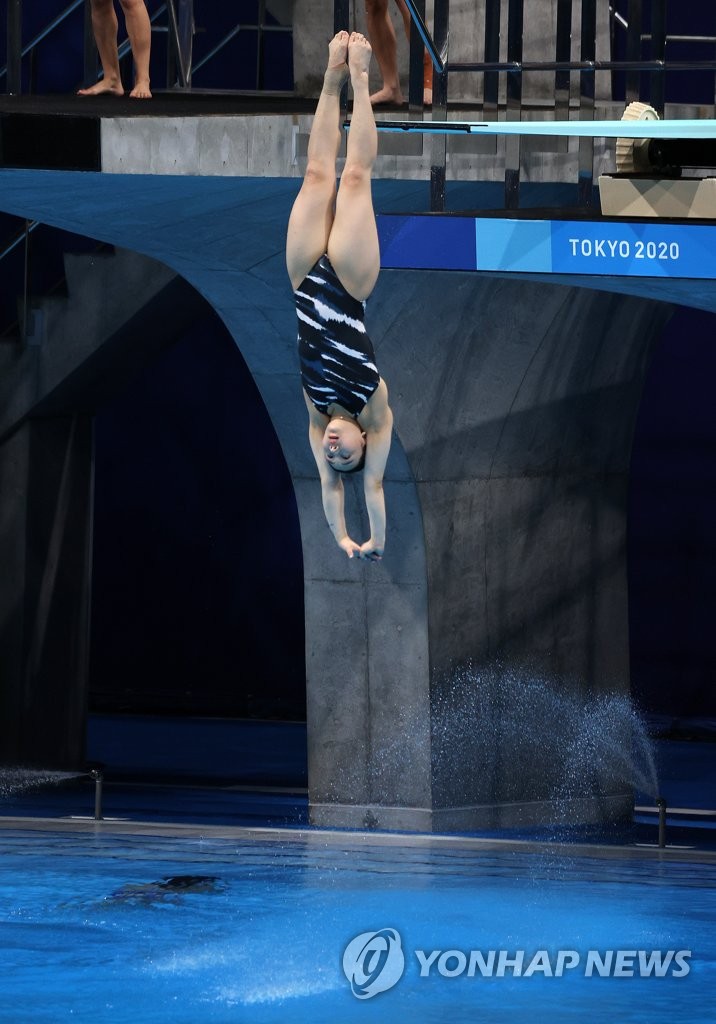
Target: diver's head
344	445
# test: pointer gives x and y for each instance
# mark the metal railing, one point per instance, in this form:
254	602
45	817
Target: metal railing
15	49
179	36
22	238
261	28
179	26
514	67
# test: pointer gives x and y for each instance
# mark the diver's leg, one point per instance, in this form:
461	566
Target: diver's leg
312	215
353	242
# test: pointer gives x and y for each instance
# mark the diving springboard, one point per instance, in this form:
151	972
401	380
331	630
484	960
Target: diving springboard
701	128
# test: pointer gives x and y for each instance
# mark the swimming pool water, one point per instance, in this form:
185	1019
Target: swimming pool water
87	937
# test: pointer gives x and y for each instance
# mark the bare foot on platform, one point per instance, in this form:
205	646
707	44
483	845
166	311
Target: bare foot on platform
141	91
103	87
337	69
386	95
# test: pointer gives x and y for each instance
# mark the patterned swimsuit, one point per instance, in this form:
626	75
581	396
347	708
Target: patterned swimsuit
336	354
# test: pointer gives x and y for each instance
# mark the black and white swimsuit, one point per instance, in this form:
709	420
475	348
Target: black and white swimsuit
336	354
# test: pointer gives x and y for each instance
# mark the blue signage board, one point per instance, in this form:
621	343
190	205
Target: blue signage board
427	242
633	249
594	248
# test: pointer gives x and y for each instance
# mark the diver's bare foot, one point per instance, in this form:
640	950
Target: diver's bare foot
141	91
337	70
359	54
105	85
386	95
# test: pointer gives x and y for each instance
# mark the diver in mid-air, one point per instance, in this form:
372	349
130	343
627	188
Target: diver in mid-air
333	261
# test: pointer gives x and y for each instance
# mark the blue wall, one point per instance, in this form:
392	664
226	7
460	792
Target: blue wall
198	576
672	524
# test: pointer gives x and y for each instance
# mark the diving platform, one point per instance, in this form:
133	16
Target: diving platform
259	141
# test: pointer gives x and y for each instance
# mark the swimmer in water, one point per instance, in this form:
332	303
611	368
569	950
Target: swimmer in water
167	889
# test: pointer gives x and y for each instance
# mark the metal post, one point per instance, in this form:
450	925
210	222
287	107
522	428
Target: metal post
563	53
186	37
90	49
438	143
415	81
14	47
98	777
657	85
260	20
491	79
515	27
661	804
587	90
174	56
416	9
491	82
25	283
32	72
633	48
172	73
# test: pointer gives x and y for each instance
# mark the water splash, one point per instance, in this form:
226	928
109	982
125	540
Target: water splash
506	747
504	736
15	780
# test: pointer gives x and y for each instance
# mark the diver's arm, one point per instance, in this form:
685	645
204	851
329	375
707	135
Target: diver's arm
376	458
332	493
375	503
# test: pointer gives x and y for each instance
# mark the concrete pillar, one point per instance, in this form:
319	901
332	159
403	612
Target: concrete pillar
515	405
368	664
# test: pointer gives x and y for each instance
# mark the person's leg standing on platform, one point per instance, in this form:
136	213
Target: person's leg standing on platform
105	26
385	46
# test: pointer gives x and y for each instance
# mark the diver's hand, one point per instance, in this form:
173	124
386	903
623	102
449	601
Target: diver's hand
350	547
370	551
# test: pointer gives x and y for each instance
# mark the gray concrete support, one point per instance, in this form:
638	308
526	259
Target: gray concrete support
516	406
